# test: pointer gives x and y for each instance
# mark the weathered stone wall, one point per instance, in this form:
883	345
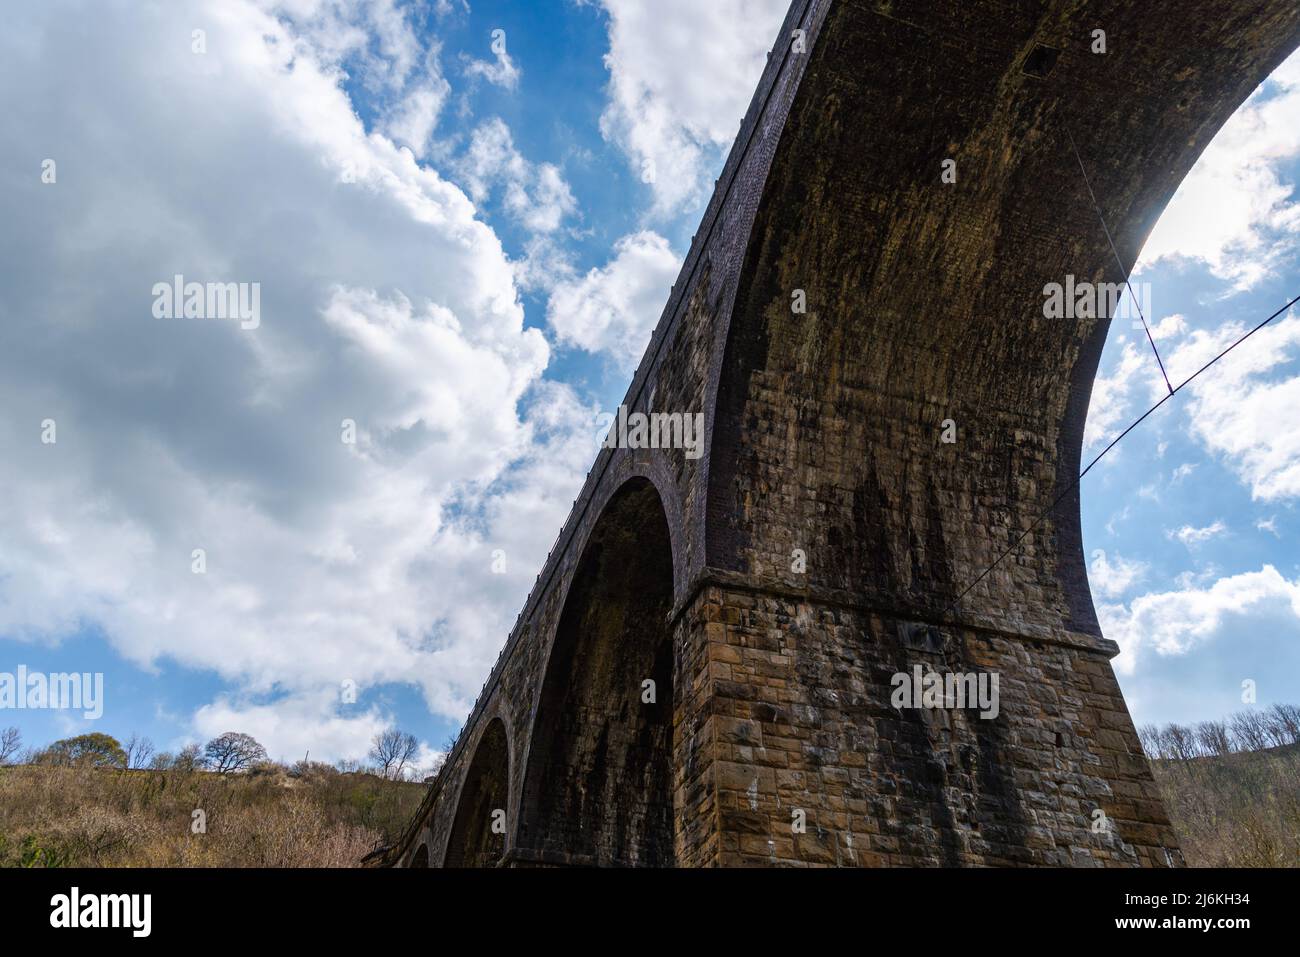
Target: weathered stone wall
829	539
803	722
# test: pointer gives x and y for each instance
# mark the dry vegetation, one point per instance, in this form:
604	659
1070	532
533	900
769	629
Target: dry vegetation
1232	788
272	816
1240	810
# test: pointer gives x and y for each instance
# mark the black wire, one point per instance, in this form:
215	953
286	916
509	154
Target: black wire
1114	252
1114	442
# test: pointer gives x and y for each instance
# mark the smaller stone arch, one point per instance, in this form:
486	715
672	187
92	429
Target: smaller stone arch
598	782
421	856
478	832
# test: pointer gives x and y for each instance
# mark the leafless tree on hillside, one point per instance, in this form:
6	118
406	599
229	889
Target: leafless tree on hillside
1149	736
11	741
190	758
162	761
139	751
1287	718
1249	731
1213	737
1182	742
392	750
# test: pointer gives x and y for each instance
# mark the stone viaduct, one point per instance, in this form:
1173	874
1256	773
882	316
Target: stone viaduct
829	536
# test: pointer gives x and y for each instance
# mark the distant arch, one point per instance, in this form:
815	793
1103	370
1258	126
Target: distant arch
598	786
421	856
478	834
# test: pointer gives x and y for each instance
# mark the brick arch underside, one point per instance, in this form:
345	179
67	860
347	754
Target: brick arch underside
474	841
599	783
925	299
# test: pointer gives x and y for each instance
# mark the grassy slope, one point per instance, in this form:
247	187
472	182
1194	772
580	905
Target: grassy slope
67	817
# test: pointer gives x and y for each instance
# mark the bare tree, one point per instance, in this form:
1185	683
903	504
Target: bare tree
11	742
1253	730
138	752
162	761
190	758
1149	735
392	750
1287	717
1168	743
1248	731
232	752
1213	738
1182	742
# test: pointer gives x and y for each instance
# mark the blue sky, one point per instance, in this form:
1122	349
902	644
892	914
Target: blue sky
466	218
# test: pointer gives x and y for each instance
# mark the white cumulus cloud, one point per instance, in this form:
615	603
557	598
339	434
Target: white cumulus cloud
500	71
1114	576
1176	622
1242	409
1190	535
535	195
1235	211
614	308
682	74
385	301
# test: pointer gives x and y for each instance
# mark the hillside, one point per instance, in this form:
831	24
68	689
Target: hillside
270	817
1239	809
1235	810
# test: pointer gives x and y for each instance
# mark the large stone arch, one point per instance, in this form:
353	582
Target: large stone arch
925	299
830	490
599	779
475	839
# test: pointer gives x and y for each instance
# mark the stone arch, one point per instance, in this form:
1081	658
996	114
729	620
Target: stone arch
474	840
421	856
925	299
598	785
